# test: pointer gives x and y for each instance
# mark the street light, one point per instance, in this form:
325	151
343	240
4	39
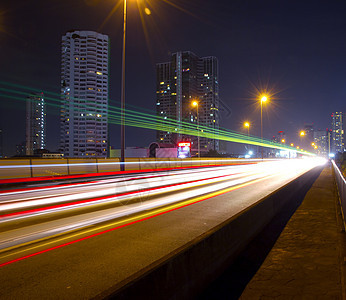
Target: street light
247	125
195	103
301	135
263	99
122	107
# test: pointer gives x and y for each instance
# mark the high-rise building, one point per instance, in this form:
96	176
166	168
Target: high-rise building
337	132
182	80
84	92
21	149
322	142
1	145
35	123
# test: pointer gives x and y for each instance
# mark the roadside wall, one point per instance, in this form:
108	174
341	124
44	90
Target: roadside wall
24	168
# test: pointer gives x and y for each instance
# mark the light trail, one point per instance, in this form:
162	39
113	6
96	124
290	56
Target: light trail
115	225
157	196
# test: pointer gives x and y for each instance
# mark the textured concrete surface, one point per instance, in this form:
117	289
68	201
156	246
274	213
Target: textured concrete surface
308	259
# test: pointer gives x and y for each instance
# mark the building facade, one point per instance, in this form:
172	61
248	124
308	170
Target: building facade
322	139
182	80
1	144
84	92
35	137
338	132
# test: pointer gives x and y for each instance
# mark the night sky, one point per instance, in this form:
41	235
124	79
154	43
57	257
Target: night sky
294	49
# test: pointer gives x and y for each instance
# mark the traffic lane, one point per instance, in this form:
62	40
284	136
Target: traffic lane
10	203
117	177
17	236
23	218
27	198
80	218
92	266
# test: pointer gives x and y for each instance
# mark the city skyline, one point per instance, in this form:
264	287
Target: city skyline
306	85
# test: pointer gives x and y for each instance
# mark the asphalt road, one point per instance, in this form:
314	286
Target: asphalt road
78	240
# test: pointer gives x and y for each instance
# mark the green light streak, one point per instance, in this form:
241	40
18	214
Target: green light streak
135	118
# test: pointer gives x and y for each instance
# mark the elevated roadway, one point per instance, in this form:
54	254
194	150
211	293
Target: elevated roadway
94	239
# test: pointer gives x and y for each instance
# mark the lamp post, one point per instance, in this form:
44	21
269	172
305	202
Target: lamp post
122	107
247	125
301	135
195	103
263	99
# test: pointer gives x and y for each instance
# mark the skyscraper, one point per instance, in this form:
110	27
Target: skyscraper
337	132
35	123
186	78
322	142
84	92
1	145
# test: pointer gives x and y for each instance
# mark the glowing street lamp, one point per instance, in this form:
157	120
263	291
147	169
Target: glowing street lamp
247	125
292	145
283	141
195	103
302	133
263	99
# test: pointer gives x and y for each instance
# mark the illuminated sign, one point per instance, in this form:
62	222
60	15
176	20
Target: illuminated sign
184	149
184	144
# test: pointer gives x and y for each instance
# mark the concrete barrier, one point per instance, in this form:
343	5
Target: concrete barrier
82	166
187	271
15	168
49	167
108	165
162	163
341	185
147	163
132	164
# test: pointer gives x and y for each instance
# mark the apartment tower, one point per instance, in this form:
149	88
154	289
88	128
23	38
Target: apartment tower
84	92
180	81
338	132
35	137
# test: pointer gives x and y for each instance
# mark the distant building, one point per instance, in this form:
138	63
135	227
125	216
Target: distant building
84	92
35	123
337	132
308	138
280	137
322	139
179	82
21	149
1	144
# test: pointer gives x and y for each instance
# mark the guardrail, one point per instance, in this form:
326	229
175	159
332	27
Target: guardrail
26	168
341	184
